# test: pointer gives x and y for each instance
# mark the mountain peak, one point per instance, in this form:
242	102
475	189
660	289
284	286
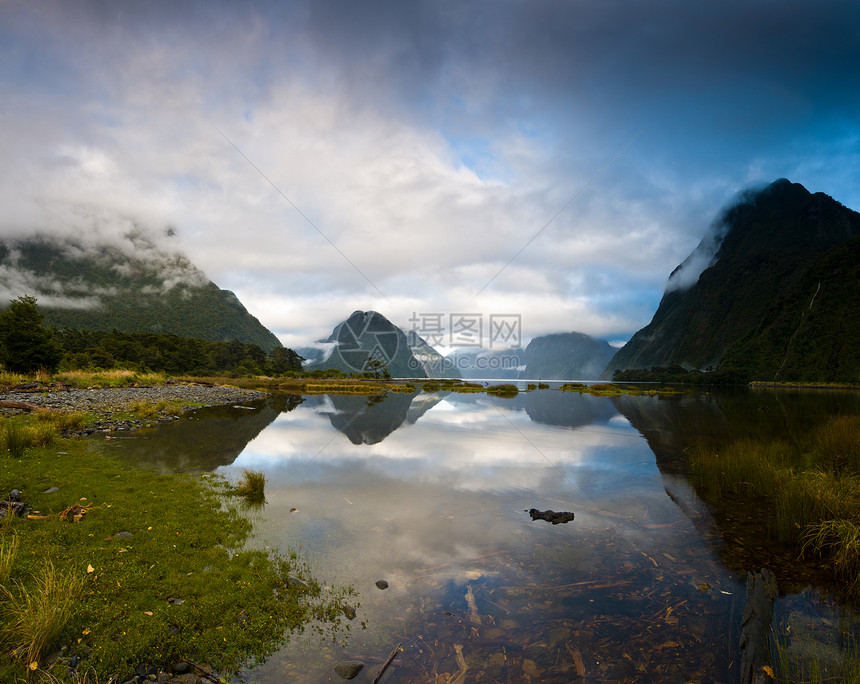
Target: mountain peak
133	285
776	259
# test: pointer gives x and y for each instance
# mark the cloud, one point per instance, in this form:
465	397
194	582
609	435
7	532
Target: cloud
405	153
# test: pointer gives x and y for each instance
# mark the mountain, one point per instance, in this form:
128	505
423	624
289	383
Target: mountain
566	356
131	285
772	291
481	364
368	336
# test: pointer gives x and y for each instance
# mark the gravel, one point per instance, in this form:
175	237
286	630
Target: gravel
104	402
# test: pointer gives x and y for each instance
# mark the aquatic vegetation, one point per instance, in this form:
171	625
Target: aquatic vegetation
801	656
812	489
506	390
616	390
252	486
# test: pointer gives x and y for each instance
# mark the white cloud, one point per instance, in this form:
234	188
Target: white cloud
429	161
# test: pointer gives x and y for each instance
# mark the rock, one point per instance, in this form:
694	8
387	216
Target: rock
187	678
162	678
181	667
349	611
123	535
15	495
51	490
381	584
348	669
551	516
296	582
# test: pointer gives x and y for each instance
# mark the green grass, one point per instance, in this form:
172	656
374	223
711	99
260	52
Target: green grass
616	390
230	607
505	390
36	613
8	554
811	490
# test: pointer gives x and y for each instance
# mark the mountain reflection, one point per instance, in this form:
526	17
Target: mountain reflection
204	439
369	420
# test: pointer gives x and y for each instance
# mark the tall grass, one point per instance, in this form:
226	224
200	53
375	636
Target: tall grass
109	378
252	487
838	444
8	555
16	437
801	657
35	616
812	488
62	420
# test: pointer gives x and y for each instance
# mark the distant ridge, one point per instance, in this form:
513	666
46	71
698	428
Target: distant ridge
776	296
131	286
566	356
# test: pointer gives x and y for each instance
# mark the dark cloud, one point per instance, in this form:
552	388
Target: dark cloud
429	140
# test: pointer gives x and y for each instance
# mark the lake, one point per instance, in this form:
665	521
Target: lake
431	493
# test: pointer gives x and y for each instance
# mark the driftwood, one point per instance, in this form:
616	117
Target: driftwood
755	625
11	508
20	405
386	663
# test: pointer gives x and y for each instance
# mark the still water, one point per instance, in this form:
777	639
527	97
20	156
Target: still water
431	493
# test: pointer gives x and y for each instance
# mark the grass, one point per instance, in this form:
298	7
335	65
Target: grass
83	379
802	656
252	487
41	429
184	541
505	390
812	490
616	390
16	437
35	615
8	554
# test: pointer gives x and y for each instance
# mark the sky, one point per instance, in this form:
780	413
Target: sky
550	160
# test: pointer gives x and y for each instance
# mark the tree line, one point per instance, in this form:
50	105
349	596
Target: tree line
27	346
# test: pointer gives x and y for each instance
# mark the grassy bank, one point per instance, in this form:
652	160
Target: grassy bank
83	379
616	389
812	489
120	567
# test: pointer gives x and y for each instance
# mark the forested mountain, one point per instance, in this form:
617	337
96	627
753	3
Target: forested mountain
131	286
777	298
367	340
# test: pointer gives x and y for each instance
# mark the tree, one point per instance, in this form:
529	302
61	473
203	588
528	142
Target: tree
25	345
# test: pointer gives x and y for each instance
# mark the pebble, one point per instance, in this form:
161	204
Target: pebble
105	402
381	584
349	669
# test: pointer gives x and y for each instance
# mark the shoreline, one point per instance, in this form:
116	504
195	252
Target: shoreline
118	407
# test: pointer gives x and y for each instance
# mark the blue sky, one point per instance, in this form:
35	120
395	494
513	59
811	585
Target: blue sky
322	156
